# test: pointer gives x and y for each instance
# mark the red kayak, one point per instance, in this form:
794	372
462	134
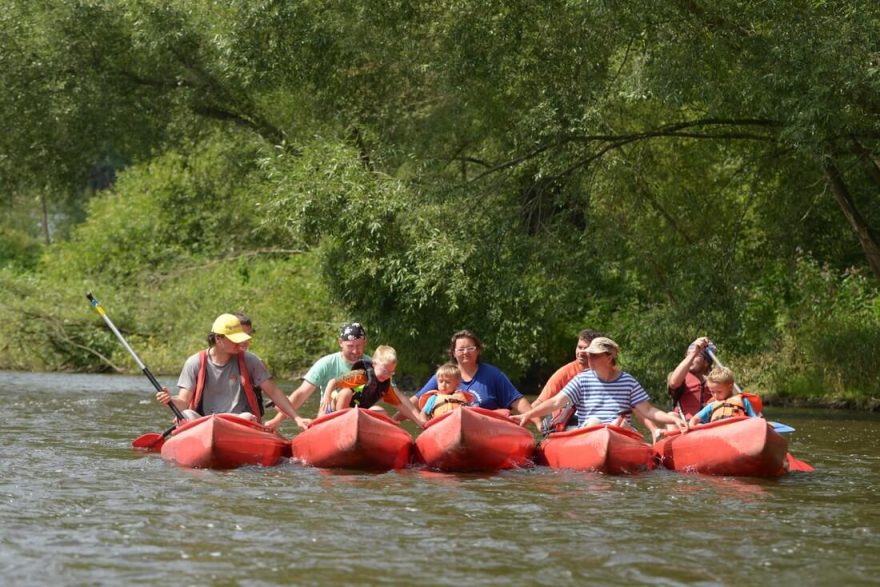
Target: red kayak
224	441
604	448
743	447
474	439
354	438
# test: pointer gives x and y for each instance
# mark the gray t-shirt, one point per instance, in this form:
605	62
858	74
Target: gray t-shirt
223	391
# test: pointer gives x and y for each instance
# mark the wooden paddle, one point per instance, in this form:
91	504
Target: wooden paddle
151	440
794	464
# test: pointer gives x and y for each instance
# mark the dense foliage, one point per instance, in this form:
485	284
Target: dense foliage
654	170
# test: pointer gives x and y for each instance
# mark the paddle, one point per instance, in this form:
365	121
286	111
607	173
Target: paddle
793	463
781	428
151	440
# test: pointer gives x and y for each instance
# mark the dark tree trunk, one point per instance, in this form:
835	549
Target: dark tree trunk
44	217
867	237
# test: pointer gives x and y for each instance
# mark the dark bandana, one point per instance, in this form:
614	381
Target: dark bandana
352	331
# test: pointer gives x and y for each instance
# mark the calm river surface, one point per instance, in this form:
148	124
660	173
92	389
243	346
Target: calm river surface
79	507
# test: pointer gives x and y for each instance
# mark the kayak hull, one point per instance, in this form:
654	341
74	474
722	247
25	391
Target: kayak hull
224	441
354	438
746	447
474	439
604	448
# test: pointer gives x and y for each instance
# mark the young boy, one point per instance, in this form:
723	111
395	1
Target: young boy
726	405
367	383
447	396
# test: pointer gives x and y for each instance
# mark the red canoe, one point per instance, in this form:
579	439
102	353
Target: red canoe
354	438
604	448
474	439
743	447
224	441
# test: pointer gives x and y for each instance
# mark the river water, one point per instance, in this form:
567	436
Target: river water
79	507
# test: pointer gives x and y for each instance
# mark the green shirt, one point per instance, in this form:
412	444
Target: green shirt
328	367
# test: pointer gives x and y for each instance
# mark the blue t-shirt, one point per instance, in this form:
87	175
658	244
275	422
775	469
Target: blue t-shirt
705	415
491	386
603	399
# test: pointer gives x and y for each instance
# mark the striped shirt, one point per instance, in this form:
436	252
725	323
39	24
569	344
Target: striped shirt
603	399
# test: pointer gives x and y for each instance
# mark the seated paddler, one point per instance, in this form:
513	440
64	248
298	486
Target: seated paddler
227	378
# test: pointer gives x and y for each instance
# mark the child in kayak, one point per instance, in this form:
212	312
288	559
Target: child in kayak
725	405
447	396
368	383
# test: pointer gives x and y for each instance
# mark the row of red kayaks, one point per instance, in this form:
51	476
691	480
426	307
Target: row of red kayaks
474	439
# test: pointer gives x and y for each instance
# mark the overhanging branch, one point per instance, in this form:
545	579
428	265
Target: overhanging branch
714	129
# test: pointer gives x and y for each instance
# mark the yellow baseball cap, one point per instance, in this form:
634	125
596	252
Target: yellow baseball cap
230	327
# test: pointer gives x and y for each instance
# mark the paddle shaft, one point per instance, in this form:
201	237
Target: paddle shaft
100	310
683	416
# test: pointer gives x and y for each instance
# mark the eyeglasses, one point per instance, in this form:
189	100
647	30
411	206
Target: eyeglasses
465	349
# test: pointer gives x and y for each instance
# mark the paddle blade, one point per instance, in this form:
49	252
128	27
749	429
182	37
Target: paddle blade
798	465
149	441
781	428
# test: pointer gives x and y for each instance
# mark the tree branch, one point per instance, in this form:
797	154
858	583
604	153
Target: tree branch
866	236
677	130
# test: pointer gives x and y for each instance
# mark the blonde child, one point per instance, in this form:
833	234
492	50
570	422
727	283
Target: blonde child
368	383
447	396
720	382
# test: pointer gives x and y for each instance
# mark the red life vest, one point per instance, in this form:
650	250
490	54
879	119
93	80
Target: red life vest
244	377
755	400
692	394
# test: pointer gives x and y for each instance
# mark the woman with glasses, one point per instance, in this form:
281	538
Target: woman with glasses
488	383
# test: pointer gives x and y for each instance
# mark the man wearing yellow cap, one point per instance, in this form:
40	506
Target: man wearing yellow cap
223	378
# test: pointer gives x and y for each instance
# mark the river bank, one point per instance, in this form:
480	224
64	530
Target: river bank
871	404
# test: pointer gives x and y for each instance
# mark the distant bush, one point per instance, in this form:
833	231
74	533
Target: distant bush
829	335
18	250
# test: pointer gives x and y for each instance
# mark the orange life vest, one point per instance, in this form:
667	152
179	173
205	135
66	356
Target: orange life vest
728	408
254	404
446	402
